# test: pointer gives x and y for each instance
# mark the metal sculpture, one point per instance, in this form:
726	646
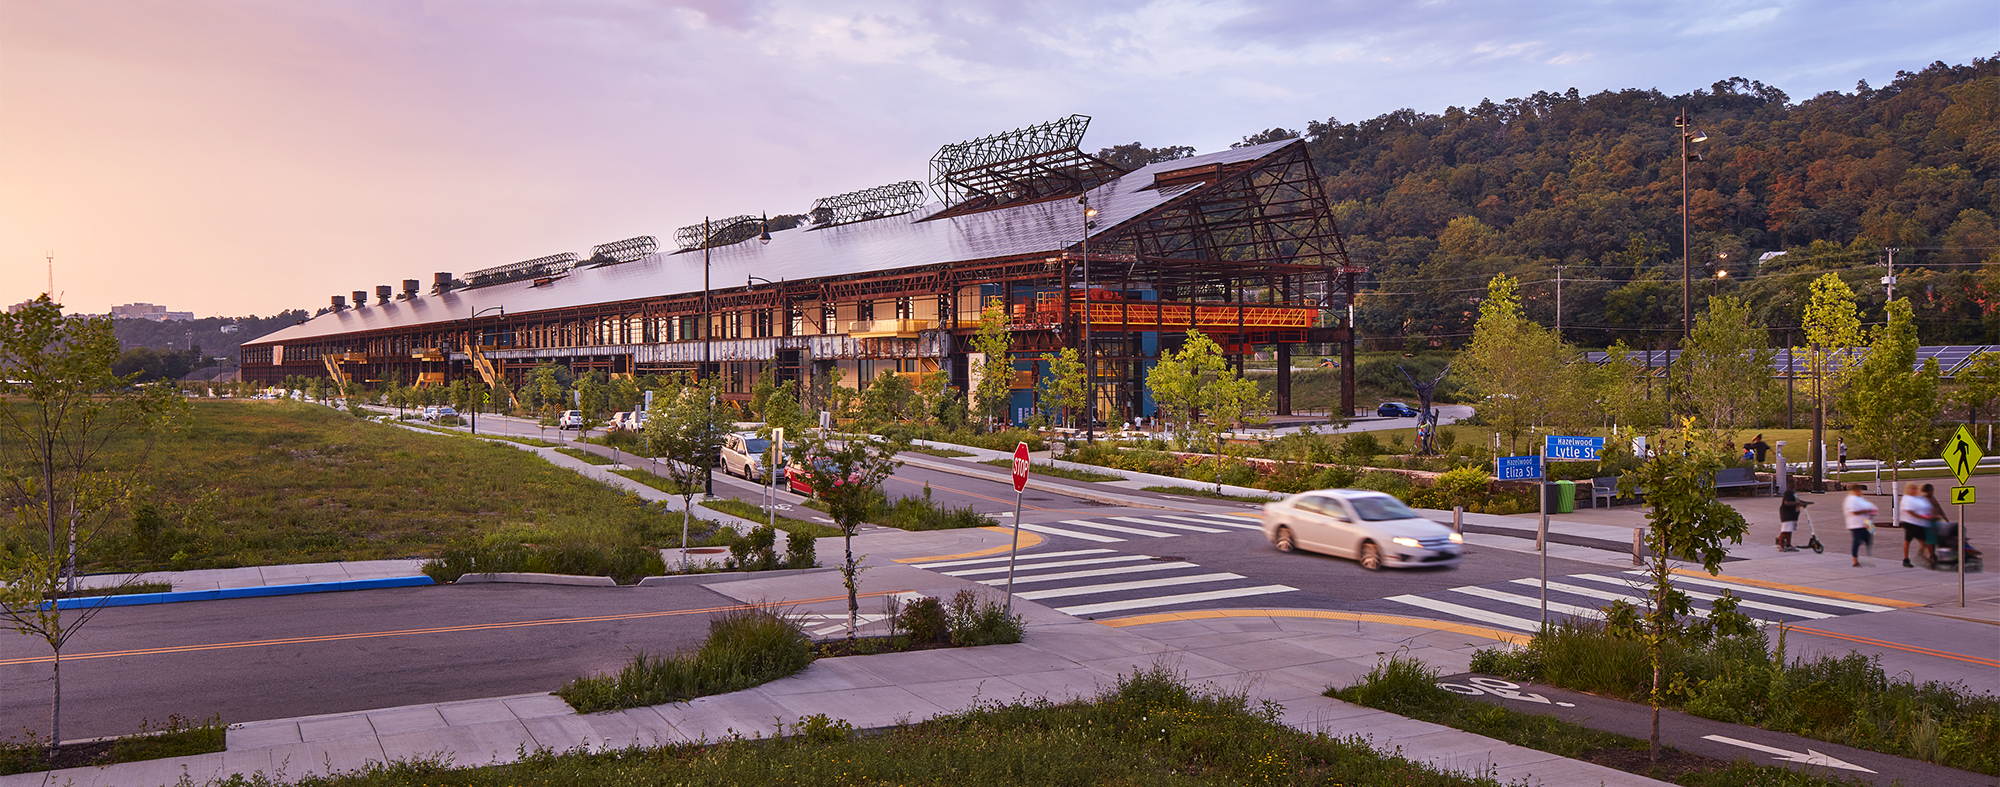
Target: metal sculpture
1426	417
627	250
1030	163
552	265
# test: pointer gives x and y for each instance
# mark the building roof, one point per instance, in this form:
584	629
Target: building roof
804	253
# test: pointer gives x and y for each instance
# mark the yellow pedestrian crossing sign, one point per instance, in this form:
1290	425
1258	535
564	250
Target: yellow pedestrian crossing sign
1961	454
1962	495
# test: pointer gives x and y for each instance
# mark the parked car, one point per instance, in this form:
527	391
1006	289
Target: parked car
795	476
620	421
570	419
1396	410
743	455
1373	528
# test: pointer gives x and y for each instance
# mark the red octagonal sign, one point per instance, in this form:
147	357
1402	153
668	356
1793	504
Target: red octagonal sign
1020	467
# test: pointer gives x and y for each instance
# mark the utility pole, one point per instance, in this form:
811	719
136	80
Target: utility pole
1889	281
1559	301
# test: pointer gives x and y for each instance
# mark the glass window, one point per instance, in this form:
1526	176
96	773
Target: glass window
1379	509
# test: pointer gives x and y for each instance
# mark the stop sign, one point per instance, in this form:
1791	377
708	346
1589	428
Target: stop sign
1020	466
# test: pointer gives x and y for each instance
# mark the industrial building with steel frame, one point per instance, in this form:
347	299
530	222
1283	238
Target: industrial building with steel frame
1240	244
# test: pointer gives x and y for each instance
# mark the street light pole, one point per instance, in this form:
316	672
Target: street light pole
1687	277
1089	351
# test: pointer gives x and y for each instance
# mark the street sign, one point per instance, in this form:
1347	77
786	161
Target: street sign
1020	466
1961	454
1516	468
1559	447
1963	495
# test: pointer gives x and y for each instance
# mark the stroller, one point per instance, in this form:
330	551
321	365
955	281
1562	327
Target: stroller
1945	550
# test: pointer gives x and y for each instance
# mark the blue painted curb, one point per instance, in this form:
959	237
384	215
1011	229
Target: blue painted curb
143	599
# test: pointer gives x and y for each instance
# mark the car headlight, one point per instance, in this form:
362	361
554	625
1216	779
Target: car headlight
1405	541
1458	538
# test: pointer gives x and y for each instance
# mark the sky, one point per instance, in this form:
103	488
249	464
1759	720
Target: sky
237	157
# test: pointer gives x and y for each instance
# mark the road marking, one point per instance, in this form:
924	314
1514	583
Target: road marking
1741	601
171	649
1175	525
1320	614
1101	572
1763	583
1899	646
1854	605
1808	757
1118	528
1057	564
1469	613
1183	598
1137	584
976	561
1027	540
1238	525
1554	606
1056	531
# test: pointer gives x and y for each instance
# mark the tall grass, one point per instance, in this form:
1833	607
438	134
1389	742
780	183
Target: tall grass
745	648
1747	679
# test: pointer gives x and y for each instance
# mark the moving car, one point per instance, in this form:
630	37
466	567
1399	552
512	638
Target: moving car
570	419
435	413
743	455
1373	528
1396	410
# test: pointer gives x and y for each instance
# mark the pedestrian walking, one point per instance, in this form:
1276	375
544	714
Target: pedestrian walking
1843	455
1757	444
1788	519
1860	515
1915	515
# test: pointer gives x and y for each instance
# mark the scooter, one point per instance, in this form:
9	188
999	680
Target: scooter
1812	537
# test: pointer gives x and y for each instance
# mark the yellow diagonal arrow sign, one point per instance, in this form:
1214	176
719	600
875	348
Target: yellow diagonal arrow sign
1961	454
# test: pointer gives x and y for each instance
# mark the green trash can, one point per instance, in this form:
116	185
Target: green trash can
1565	497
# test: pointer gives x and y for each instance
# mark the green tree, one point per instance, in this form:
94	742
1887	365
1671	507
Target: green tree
992	366
930	395
847	476
550	389
1725	367
1978	387
1891	405
1526	375
1832	327
1626	390
1686	523
687	430
60	406
1063	390
886	399
1202	395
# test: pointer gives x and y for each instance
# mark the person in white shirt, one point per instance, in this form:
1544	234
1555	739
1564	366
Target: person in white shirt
1915	515
1860	515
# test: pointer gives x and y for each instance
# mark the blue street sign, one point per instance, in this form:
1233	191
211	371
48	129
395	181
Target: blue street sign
1517	468
1557	447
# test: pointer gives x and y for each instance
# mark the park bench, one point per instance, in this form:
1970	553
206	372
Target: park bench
1741	478
1605	489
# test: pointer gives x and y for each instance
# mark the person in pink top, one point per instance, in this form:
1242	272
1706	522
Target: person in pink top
1860	517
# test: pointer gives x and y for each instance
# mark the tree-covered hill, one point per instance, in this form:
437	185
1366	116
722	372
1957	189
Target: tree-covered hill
1434	205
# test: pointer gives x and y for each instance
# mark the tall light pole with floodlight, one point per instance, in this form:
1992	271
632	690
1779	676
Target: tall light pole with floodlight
1089	351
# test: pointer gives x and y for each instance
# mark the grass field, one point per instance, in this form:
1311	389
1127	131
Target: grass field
259	483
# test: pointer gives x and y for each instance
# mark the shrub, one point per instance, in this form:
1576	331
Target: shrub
800	551
1402	685
924	621
745	648
755	551
976	621
1360	445
624	564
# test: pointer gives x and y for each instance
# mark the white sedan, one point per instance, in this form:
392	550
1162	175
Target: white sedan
1373	528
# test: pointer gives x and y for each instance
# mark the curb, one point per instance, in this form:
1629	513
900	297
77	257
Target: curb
144	599
532	578
726	576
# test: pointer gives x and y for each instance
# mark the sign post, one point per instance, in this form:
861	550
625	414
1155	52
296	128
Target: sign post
1021	466
1961	454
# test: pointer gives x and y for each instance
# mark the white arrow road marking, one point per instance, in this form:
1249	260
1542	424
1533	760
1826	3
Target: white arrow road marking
1810	757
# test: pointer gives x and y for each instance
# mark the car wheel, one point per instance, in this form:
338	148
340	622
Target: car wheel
1284	541
1371	556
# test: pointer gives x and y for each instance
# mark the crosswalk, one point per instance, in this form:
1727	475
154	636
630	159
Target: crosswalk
1087	582
1114	529
1516	604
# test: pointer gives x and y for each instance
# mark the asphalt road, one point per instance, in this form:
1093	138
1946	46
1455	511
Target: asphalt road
265	658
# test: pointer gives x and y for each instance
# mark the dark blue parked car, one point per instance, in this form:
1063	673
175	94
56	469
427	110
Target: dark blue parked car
1396	410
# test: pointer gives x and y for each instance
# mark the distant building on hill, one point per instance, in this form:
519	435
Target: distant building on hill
148	311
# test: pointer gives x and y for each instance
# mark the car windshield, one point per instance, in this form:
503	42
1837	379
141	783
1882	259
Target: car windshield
1378	509
756	445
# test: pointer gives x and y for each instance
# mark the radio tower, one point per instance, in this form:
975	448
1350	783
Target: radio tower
52	275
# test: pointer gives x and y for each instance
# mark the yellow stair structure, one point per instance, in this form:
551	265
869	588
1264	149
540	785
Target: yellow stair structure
332	361
491	373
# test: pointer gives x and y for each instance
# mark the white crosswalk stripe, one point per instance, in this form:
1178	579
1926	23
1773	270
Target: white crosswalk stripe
1102	582
1113	529
1585	595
